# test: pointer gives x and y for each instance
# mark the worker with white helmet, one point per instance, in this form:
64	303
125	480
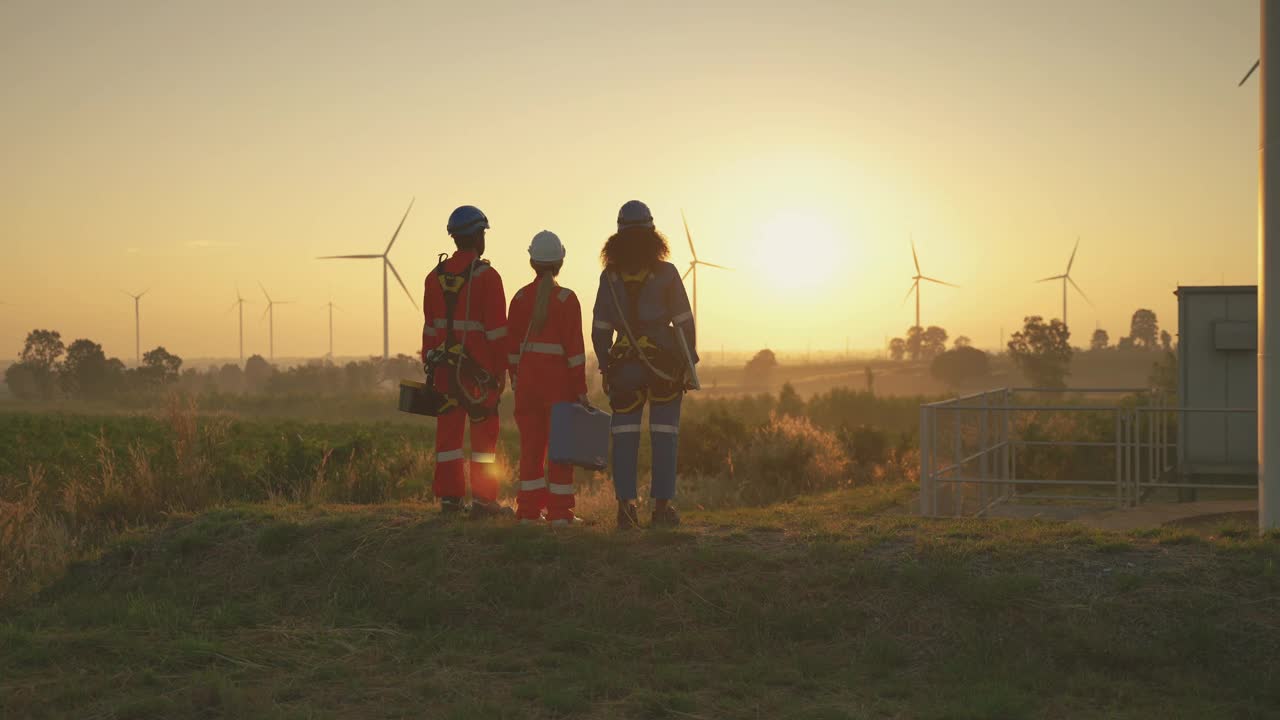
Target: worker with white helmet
464	351
547	360
640	306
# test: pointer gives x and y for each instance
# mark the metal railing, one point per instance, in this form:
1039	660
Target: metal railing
1106	445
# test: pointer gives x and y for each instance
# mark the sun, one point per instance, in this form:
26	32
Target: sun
801	251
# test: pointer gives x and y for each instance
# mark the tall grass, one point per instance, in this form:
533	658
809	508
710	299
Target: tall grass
89	481
68	482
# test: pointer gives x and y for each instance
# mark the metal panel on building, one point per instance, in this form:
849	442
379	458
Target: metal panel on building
1217	370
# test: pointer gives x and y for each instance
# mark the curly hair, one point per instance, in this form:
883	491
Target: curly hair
634	248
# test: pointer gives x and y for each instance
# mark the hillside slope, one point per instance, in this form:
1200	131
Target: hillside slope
832	607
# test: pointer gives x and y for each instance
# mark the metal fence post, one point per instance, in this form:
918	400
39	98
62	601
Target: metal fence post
1007	460
926	464
983	462
1119	455
957	468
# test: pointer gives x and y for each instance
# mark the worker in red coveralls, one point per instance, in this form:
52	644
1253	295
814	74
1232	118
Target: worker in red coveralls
464	352
547	358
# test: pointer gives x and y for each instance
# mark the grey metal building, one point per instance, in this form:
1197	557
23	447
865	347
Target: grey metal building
1217	370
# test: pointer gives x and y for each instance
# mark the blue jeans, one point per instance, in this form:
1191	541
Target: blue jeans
664	427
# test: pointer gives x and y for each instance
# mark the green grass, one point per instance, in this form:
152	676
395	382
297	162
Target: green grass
835	606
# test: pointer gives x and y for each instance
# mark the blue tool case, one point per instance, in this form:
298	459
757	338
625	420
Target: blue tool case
579	436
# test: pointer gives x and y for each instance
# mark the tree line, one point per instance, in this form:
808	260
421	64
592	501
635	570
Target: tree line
47	369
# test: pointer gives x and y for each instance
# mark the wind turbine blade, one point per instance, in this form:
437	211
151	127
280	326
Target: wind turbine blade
396	234
722	267
686	272
264	313
915	258
1072	260
264	292
1077	287
402	285
233	306
940	282
688	235
144	292
1051	277
1256	64
909	291
349	257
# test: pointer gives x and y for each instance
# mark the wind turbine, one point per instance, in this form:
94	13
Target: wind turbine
270	314
1066	278
386	265
137	324
915	282
693	264
239	303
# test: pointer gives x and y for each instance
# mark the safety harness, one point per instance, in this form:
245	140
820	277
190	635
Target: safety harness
667	382
452	353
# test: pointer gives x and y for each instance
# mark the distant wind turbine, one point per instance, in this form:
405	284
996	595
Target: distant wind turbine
386	265
915	282
1066	278
137	324
270	314
693	264
239	303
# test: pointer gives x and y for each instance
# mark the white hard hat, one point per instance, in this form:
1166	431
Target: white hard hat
634	214
546	248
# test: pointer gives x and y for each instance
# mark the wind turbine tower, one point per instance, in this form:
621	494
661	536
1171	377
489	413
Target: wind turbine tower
693	264
915	282
1066	278
1268	265
386	265
137	325
270	314
239	303
331	306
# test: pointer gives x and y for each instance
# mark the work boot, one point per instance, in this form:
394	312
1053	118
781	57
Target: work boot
541	519
628	518
665	516
486	509
451	506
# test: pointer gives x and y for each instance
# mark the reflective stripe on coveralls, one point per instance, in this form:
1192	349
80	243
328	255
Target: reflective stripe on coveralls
483	457
538	484
458	325
544	348
449	455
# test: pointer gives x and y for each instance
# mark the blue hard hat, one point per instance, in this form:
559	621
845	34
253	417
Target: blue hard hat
467	220
634	214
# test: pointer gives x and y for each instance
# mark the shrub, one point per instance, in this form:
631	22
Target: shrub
789	457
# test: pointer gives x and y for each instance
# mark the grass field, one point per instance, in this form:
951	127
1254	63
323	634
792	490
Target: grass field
834	606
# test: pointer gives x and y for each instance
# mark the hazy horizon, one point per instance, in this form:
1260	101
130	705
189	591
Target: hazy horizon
190	149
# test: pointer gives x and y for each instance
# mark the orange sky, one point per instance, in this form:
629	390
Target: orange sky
190	147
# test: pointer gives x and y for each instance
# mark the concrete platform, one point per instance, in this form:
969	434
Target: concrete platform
1157	514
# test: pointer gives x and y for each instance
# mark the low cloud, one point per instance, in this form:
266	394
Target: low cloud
210	244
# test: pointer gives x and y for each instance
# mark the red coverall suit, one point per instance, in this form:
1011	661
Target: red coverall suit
548	367
480	323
